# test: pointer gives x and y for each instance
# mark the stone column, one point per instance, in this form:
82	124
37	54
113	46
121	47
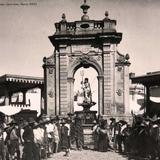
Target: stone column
57	86
63	73
126	89
100	95
108	78
49	85
70	94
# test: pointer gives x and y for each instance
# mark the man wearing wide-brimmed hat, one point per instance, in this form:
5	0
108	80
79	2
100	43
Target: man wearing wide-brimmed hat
112	128
55	135
14	137
70	115
2	146
64	141
77	133
29	150
49	131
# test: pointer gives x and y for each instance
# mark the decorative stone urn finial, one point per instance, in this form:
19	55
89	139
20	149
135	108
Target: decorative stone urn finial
106	15
63	18
85	8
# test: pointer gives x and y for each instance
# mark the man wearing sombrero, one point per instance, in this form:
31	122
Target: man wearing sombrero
2	148
29	150
64	141
14	140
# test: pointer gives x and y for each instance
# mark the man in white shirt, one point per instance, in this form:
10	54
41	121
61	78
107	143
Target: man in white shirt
49	130
55	137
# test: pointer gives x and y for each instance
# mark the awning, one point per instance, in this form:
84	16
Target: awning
18	83
150	79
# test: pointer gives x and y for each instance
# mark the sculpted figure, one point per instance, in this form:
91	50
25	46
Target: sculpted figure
86	91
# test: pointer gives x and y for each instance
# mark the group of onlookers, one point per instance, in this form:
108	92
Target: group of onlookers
144	137
110	136
38	139
141	138
30	139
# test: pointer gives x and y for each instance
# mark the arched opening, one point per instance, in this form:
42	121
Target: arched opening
92	69
79	76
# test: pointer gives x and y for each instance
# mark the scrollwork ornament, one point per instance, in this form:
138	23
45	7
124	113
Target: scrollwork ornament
51	94
98	58
51	70
71	59
119	92
119	68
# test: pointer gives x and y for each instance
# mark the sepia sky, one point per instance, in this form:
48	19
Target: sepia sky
26	24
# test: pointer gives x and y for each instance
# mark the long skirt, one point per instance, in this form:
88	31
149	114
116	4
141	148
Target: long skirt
103	143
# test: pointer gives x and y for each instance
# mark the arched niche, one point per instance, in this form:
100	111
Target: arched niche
86	62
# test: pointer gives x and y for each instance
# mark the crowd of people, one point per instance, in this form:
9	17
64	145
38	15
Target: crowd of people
38	139
30	139
139	138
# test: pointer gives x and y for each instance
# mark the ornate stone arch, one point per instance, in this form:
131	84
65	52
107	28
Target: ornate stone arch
85	61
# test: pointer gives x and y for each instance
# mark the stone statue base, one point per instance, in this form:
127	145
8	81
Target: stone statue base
86	106
87	116
88	119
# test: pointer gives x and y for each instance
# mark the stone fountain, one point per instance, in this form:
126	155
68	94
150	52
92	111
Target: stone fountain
87	116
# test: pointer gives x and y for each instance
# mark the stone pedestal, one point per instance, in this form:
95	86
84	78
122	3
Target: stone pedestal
88	136
88	118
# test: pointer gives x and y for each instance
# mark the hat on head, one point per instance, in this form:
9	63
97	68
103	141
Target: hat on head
63	121
36	125
148	119
156	121
25	123
57	117
143	124
86	80
44	116
77	118
52	116
43	122
68	120
21	119
7	128
70	114
122	122
13	122
31	120
112	119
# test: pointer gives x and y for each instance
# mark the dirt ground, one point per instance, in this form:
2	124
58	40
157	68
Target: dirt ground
88	155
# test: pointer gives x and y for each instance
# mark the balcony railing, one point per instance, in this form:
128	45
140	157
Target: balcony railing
90	25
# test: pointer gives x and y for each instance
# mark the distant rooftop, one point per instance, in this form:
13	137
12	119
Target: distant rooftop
150	79
18	83
21	79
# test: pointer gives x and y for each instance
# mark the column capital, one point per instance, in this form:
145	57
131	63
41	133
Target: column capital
70	79
100	77
48	65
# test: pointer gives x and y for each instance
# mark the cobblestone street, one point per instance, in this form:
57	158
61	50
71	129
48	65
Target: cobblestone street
88	155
